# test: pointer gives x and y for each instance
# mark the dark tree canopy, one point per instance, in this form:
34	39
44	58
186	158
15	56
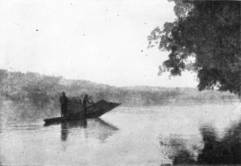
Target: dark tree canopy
210	32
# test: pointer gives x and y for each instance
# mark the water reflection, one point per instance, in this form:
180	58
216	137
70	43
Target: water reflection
225	150
94	128
214	149
178	149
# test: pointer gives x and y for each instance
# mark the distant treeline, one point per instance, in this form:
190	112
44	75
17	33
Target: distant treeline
43	91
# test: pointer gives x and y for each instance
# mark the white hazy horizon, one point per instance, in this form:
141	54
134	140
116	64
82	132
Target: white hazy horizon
103	41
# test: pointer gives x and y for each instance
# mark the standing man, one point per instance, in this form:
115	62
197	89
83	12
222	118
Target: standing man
63	102
86	100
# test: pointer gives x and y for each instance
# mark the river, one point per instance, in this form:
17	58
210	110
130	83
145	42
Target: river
127	136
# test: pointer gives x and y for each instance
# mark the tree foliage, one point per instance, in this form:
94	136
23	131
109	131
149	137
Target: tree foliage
210	32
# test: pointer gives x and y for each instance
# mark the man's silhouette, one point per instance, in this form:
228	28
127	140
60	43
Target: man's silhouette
63	101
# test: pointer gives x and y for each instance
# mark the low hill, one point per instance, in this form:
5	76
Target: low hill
32	95
41	90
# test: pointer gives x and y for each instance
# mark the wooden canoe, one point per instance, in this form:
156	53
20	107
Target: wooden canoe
93	111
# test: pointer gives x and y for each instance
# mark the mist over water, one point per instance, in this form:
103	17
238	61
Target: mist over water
24	112
168	133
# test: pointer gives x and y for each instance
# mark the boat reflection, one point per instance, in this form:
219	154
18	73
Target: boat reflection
94	128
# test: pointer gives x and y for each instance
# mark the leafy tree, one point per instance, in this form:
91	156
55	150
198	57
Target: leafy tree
208	32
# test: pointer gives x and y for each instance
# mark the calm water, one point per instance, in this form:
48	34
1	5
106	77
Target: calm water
125	136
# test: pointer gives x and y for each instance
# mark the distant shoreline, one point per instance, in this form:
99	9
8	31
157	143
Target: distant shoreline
41	90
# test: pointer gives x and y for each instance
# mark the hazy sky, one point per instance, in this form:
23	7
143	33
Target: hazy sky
99	40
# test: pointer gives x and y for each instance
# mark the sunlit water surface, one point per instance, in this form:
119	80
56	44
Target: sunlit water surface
125	136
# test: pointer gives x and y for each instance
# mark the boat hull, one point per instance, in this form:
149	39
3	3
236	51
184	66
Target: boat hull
93	111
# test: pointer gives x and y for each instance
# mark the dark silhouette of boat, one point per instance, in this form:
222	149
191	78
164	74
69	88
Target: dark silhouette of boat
94	128
76	111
